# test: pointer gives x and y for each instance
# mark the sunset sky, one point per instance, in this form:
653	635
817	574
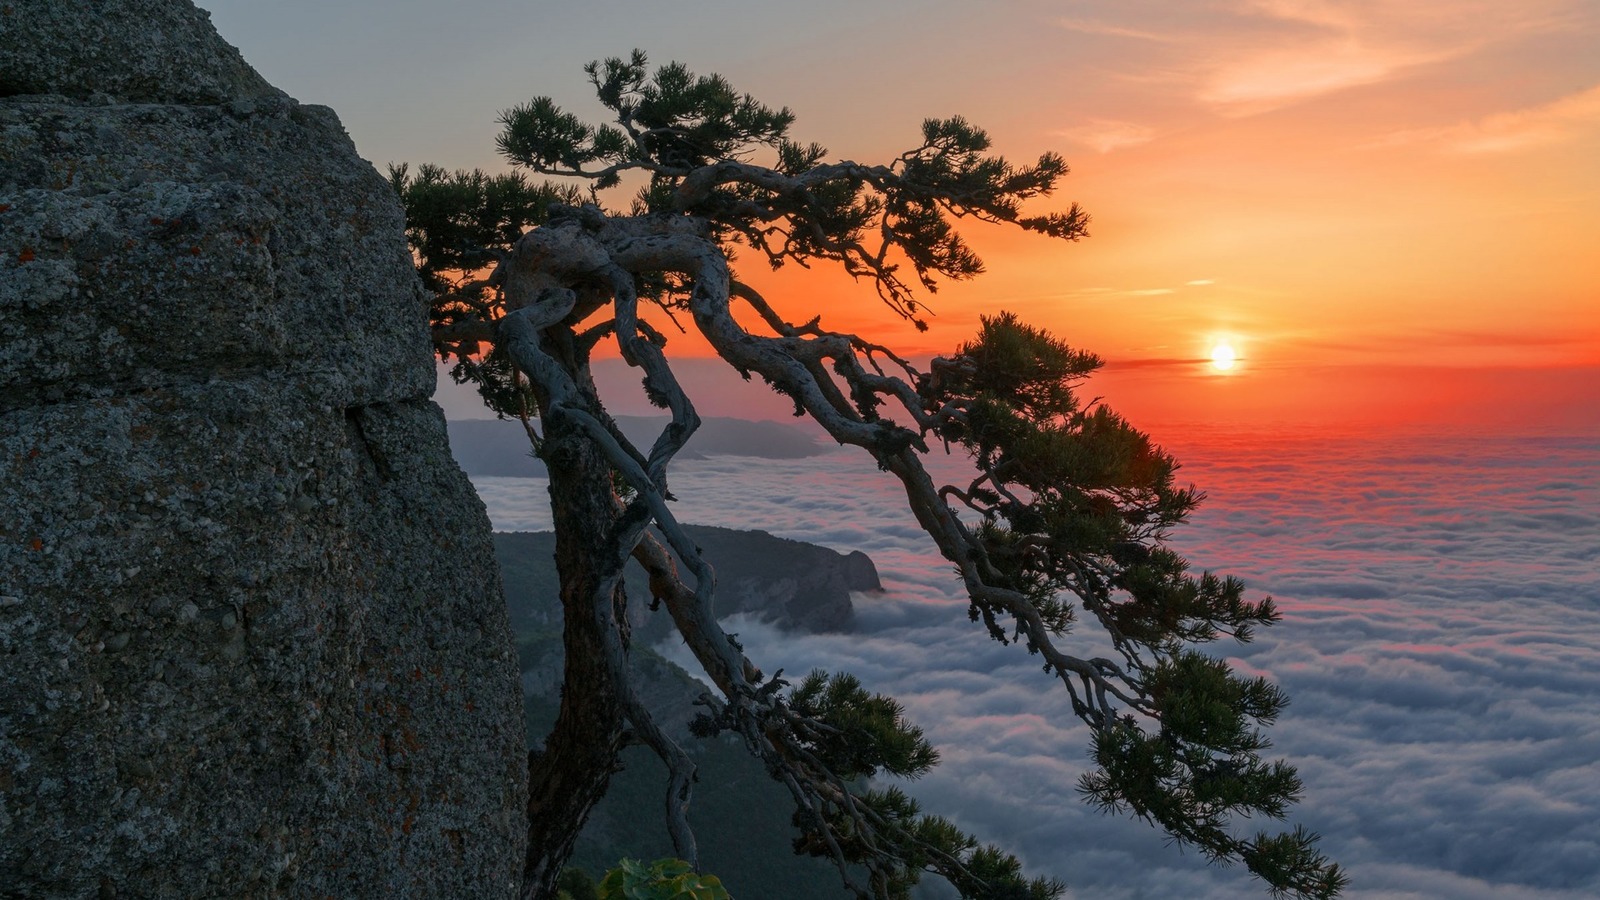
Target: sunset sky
1390	210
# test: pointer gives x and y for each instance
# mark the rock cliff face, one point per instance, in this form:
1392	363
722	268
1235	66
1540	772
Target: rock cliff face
252	641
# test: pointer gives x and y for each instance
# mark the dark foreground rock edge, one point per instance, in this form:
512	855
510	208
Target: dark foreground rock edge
252	638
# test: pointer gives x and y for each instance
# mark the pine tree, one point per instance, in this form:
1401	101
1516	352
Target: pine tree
1061	524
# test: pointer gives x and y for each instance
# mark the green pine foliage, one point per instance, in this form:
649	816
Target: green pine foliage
458	224
1075	503
860	734
695	135
913	843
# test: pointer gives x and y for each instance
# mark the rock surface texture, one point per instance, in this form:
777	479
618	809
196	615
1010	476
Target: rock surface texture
252	640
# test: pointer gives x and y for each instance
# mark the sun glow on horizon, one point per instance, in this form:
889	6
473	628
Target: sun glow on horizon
1223	357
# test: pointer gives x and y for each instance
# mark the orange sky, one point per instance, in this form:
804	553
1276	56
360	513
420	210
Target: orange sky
1372	201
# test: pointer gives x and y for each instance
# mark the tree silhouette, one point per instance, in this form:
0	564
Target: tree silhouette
1063	518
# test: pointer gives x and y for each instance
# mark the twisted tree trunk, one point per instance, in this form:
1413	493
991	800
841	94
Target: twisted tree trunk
571	774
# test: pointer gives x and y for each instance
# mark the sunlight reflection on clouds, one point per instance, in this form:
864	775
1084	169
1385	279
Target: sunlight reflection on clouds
1441	644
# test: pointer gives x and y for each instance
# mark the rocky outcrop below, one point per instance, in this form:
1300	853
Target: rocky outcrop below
252	641
795	585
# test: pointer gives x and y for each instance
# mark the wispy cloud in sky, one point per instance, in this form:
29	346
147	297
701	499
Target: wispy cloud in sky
1156	362
1552	346
1103	292
1273	76
1106	135
1255	56
1512	131
1257	65
1106	29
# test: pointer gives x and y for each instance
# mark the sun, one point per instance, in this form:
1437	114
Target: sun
1223	357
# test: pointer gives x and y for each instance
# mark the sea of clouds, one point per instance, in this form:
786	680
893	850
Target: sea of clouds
1441	643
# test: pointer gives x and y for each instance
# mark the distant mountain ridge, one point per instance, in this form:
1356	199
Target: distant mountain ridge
499	447
795	585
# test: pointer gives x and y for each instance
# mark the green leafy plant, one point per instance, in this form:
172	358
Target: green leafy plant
664	879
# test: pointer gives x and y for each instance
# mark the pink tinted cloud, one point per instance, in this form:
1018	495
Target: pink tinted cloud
1279	73
1259	55
1563	119
1108	135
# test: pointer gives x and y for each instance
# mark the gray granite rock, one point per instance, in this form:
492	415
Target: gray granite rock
140	51
252	640
162	244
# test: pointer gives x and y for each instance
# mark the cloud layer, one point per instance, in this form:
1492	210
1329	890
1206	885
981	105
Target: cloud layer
1259	55
1441	642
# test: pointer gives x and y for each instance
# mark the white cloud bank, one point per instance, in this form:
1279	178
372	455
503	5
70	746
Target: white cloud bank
1441	642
